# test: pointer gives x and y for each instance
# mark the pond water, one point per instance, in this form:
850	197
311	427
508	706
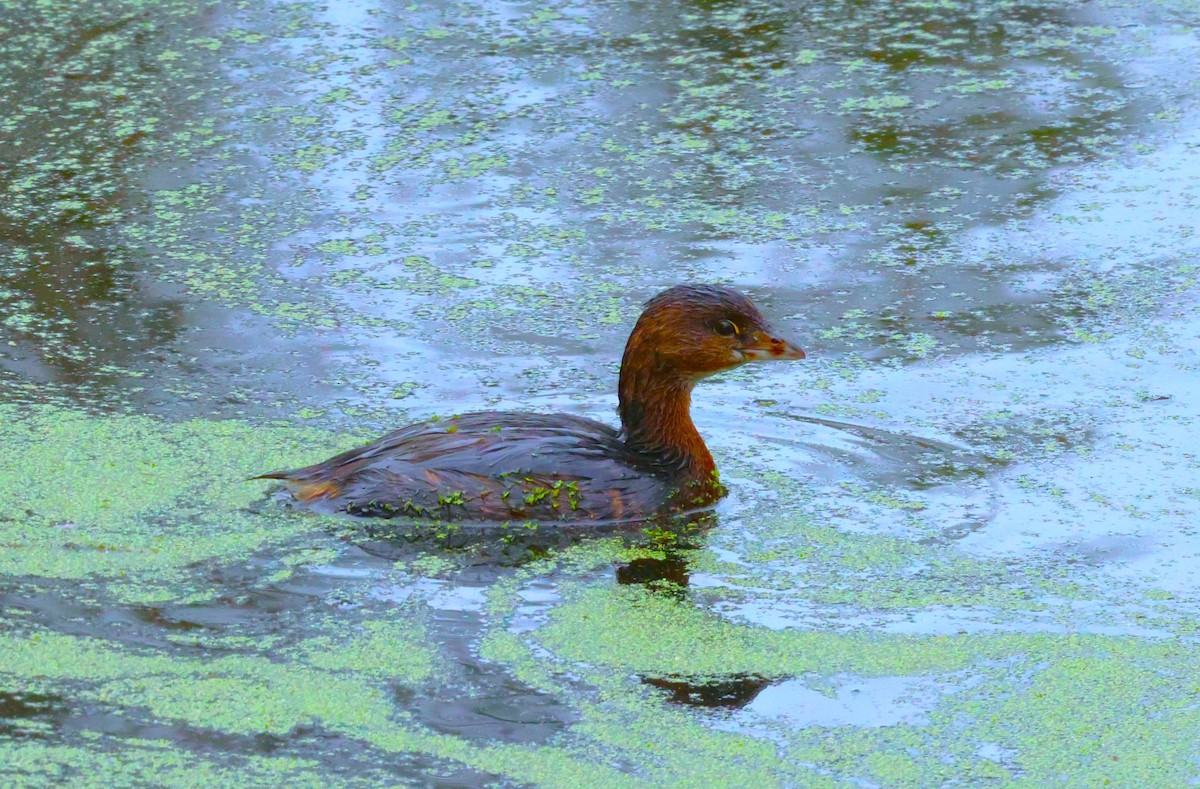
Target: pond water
961	544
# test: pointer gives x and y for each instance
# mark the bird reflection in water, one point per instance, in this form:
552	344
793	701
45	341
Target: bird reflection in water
668	574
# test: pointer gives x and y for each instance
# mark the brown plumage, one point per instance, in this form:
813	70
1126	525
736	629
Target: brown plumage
496	465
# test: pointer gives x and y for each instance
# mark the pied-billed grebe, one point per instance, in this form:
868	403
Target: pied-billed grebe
500	465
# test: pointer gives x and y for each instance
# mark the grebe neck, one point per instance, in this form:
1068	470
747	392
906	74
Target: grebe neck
655	407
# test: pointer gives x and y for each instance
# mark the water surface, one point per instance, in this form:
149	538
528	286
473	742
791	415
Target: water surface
960	546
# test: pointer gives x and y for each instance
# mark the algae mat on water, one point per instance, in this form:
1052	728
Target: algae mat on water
134	502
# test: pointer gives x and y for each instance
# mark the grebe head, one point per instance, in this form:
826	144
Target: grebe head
694	331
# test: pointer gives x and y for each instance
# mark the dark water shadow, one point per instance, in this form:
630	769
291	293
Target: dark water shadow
26	714
669	572
731	692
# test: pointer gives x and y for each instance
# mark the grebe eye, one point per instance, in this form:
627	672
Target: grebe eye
726	328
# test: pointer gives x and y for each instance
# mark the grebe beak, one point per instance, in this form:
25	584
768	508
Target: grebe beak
764	346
